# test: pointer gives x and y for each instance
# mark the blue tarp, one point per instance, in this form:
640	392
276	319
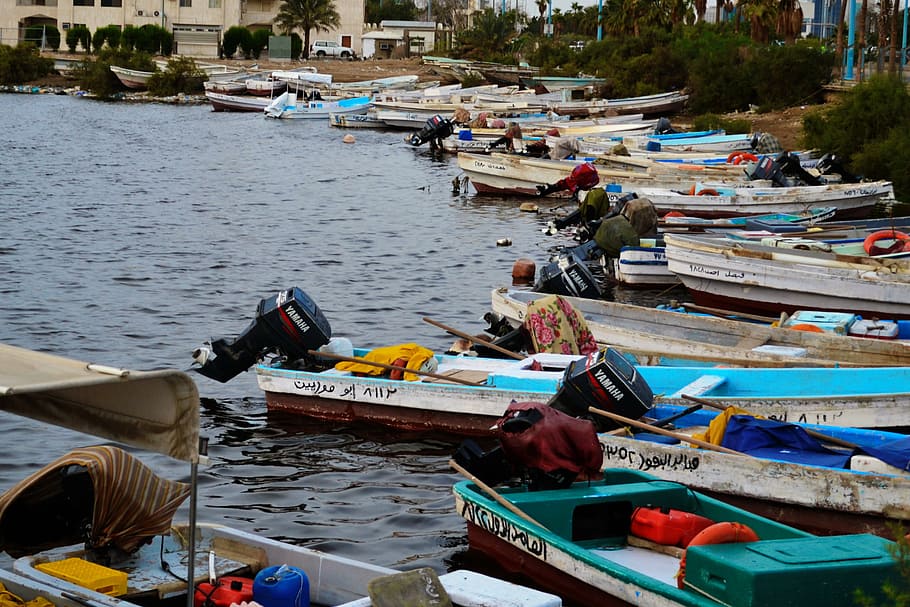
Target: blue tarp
779	440
895	453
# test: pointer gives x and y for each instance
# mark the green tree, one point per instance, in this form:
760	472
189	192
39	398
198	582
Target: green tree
307	15
789	20
391	10
260	41
492	35
542	6
23	63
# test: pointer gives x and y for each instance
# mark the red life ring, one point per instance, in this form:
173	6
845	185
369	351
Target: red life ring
718	533
733	156
708	192
745	157
901	242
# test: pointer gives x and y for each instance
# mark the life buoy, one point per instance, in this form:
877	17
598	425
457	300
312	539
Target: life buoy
718	533
708	192
901	242
745	157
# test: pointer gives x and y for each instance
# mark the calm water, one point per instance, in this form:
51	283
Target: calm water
133	233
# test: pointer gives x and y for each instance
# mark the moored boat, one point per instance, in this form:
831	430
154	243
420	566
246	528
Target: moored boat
583	542
236	103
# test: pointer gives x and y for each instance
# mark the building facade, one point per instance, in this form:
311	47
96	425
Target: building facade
197	24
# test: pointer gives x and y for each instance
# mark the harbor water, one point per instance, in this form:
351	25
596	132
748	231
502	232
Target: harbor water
133	233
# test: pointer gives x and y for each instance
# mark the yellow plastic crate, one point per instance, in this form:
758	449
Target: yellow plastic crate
88	575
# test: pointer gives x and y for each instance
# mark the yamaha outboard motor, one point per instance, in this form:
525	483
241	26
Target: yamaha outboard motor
663	127
288	324
436	128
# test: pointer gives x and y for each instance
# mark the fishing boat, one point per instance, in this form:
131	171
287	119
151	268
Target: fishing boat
236	103
356	121
510	174
612	542
777	274
464	393
288	106
558	83
657	335
823	479
130	78
852	200
95	526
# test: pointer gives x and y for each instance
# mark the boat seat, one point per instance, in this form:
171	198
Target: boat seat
700	386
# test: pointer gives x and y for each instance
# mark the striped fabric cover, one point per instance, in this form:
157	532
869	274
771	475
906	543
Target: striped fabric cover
131	503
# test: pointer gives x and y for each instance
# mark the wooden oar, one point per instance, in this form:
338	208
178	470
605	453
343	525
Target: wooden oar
353	359
475	340
719	312
820	436
492	493
681	437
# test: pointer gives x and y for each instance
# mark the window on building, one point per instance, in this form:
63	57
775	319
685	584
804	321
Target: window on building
214	3
186	3
83	2
112	3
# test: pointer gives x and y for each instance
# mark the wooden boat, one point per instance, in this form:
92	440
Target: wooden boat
862	397
840	490
719	201
226	86
132	79
148	560
265	85
502	74
287	105
235	103
643	266
509	174
558	83
581	543
779	274
356	121
652	333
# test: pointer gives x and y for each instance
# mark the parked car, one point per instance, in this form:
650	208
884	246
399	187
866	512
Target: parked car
327	48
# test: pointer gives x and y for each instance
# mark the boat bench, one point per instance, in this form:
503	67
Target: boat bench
700	386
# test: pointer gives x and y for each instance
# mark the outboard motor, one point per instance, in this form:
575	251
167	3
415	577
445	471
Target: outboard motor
605	380
831	163
288	323
435	129
663	127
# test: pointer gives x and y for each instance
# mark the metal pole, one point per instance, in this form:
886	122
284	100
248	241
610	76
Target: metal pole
600	20
851	39
550	18
904	41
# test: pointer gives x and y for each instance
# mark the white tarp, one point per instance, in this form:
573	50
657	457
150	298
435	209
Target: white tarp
152	410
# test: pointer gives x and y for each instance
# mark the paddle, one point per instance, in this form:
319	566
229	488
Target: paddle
681	437
492	493
823	437
475	340
353	359
719	312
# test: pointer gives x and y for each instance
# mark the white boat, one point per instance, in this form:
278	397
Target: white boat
656	335
779	274
288	105
711	200
133	79
643	266
236	103
303	79
264	85
507	174
356	121
147	559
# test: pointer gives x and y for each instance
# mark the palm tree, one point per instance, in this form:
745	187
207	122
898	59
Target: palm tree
789	20
542	8
762	16
319	15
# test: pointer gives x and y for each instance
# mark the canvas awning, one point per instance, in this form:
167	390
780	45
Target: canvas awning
151	410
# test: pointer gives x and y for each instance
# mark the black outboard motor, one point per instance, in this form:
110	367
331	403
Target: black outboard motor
436	129
288	323
831	163
663	127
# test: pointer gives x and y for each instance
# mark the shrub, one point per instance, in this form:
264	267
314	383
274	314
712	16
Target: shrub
78	35
153	39
129	37
296	45
43	36
260	41
235	36
732	126
23	63
181	76
52	36
866	130
790	75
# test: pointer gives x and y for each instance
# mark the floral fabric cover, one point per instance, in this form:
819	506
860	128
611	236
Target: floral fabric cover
555	326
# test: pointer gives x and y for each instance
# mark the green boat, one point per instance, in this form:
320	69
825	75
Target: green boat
620	541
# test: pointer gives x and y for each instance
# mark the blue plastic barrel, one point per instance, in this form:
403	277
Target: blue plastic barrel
653	146
614	188
282	586
465	135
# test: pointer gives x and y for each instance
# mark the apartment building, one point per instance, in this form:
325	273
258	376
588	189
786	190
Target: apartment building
197	24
